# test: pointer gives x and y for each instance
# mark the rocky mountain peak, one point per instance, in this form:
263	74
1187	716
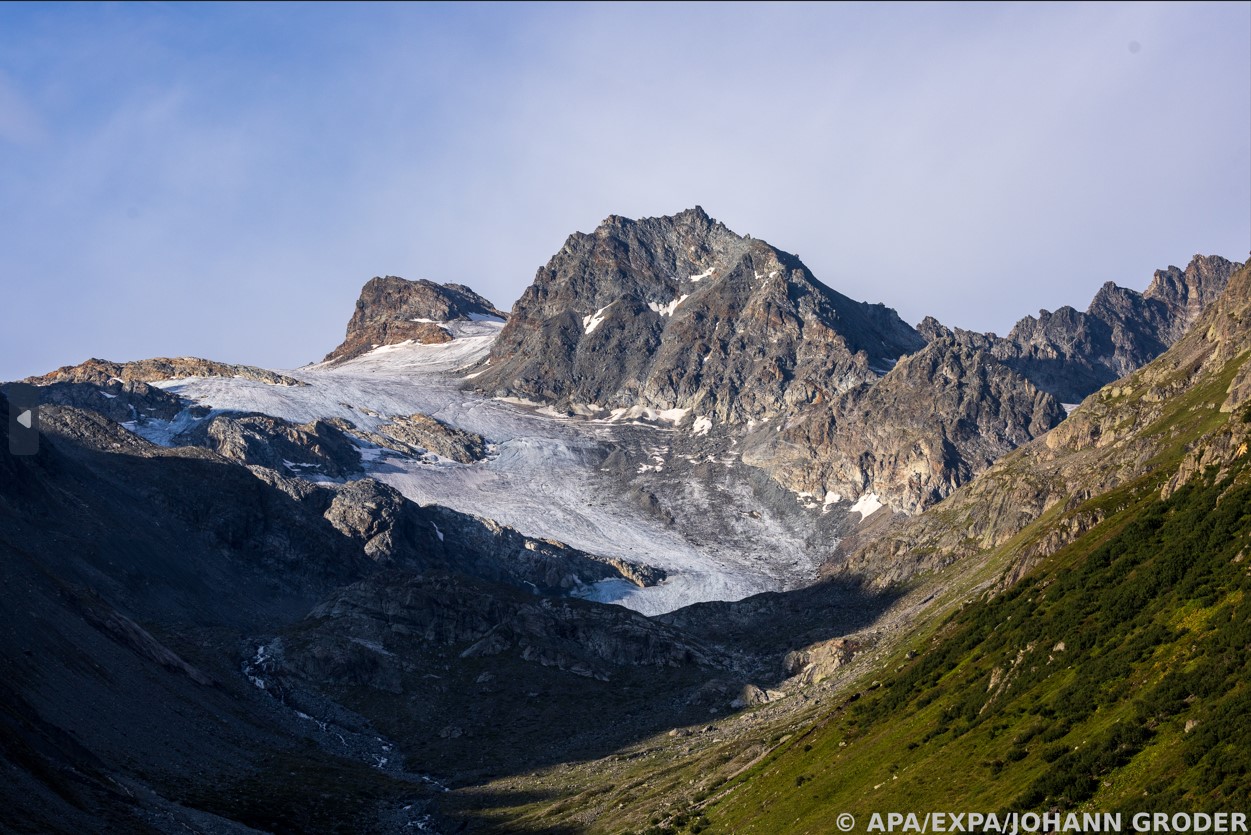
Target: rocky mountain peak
1188	292
391	310
680	312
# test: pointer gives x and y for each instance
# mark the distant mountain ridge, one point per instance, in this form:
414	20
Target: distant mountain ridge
104	373
1071	354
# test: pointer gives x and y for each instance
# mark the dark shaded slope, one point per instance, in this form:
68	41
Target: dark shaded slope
128	578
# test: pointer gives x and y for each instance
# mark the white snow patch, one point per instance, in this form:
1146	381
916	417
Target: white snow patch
427	321
672	415
590	323
106	394
705	274
667	309
833	498
806	500
1069	407
520	401
774	274
867	505
702	425
437	532
369	454
372	645
385	349
646	413
485	317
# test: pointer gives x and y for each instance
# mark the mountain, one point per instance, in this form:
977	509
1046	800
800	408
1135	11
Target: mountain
681	313
967	399
137	576
392	310
680	317
107	374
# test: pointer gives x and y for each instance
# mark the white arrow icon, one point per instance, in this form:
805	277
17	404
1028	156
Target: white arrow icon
25	418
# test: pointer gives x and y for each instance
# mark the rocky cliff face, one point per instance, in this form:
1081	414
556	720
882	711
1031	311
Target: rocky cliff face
1071	354
681	313
391	310
934	421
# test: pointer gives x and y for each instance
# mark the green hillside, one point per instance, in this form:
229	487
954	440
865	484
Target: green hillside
1113	678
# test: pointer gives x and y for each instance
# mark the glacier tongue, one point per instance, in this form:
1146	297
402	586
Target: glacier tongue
546	477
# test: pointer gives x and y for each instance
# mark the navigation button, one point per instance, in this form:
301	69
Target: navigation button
23	418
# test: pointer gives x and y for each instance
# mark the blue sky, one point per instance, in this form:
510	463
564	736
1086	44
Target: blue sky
219	180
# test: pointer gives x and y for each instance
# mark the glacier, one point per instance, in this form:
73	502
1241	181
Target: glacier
546	475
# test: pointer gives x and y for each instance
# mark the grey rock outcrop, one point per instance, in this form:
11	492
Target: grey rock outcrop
395	532
315	448
422	432
391	310
480	622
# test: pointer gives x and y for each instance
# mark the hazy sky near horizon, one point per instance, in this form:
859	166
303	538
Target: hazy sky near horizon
219	180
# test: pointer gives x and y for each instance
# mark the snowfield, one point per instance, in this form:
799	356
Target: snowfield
550	476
